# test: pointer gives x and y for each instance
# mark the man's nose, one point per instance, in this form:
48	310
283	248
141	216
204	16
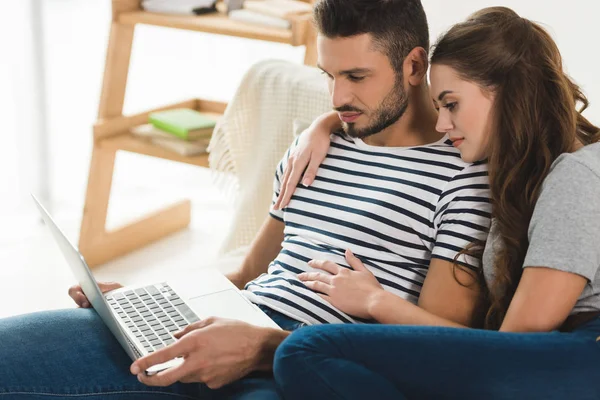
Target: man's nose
341	94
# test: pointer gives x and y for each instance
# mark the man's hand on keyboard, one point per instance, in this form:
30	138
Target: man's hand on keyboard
77	295
216	352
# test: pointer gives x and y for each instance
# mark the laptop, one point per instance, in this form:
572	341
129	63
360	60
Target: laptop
143	318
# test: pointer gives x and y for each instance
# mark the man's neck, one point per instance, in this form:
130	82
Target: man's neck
415	128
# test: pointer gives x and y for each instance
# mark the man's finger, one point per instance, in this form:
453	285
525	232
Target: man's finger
318	286
191	378
168	376
183	332
73	291
195	326
354	261
315	276
328	266
106	287
82	301
177	349
78	297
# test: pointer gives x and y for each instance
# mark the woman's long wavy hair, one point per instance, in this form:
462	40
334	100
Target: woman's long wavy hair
536	117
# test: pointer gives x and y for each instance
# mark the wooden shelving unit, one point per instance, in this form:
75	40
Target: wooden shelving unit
221	25
111	131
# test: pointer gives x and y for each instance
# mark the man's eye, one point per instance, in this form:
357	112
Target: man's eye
355	78
450	106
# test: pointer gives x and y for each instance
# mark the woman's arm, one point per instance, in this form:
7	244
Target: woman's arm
307	156
443	301
543	300
563	251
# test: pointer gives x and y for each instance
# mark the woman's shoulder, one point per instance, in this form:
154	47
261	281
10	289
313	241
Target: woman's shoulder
585	161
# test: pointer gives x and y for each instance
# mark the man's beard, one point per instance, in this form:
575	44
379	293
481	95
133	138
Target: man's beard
391	109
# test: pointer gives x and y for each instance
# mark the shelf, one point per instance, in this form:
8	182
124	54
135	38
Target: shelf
113	134
219	23
112	129
133	144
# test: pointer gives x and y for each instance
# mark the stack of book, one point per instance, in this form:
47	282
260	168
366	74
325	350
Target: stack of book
183	7
274	13
181	130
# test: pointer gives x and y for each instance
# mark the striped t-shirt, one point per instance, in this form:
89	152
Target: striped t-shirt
394	207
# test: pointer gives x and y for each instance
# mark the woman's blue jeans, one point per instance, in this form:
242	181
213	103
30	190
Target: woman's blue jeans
71	354
408	362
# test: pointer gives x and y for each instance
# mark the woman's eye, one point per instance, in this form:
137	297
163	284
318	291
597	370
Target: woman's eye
354	78
450	106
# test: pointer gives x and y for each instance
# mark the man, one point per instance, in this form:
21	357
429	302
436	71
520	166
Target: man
392	189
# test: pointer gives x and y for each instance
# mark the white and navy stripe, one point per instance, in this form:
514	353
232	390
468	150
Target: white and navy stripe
395	208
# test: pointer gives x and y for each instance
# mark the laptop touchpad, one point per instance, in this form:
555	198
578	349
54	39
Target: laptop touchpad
226	304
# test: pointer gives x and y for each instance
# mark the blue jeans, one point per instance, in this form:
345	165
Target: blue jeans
409	362
72	354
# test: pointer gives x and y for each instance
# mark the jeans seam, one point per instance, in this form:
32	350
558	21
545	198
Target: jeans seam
99	393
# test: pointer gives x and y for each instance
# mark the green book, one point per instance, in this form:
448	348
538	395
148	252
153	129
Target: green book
184	123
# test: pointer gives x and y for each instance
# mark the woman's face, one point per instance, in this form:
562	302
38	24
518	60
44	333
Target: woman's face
464	111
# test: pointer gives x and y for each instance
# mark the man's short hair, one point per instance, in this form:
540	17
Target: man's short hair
397	26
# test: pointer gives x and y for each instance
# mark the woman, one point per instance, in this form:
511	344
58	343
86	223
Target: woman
502	96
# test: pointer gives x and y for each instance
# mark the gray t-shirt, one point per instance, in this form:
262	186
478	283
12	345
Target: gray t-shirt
564	232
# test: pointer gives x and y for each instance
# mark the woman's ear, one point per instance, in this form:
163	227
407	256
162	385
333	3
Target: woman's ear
415	66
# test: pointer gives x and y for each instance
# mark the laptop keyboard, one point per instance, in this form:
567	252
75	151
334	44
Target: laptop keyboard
152	314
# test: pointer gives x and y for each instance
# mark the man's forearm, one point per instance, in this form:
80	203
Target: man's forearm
263	250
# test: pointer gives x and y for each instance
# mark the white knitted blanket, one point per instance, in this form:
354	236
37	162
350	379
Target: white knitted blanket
254	133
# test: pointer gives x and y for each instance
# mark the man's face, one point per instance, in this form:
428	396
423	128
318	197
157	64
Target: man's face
364	88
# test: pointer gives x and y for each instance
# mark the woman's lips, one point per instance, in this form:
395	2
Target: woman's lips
457	142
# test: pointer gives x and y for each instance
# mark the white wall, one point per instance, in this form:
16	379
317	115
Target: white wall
573	24
169	65
18	95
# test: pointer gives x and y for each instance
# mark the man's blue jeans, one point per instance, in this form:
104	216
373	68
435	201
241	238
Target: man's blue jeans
408	362
72	354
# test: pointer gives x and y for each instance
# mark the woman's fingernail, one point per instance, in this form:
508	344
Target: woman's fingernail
135	370
85	304
306	182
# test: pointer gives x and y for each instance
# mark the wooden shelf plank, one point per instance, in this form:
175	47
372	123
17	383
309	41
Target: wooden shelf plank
114	126
133	144
216	23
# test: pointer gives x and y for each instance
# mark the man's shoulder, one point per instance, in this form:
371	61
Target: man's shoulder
444	154
440	157
341	137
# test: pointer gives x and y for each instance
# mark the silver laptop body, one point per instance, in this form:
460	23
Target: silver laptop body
143	318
